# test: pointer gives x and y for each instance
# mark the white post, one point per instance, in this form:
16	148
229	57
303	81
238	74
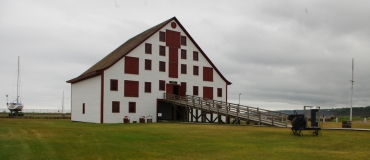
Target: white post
323	119
237	114
336	120
63	104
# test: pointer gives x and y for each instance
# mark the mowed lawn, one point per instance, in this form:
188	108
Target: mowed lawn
63	139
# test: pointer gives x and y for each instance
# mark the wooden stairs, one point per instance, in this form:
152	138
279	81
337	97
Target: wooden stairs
229	110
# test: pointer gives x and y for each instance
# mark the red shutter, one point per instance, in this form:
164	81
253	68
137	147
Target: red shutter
173	70
127	89
135	89
177	39
210	74
182	89
127	65
204	73
131	65
173	63
169	88
207	74
173	39
135	65
208	92
131	89
174	55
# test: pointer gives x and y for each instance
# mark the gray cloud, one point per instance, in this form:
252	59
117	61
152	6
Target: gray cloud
278	54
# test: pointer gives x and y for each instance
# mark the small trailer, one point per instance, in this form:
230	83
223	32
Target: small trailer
299	121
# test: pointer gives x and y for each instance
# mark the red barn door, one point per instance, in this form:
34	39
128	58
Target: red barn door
182	89
173	63
208	92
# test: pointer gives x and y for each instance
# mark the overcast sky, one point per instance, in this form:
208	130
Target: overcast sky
277	54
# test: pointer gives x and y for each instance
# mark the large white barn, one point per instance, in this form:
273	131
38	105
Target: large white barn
132	80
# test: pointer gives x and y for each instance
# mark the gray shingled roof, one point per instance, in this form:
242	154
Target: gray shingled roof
127	47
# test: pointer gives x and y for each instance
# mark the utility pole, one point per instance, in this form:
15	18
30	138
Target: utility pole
239	97
350	114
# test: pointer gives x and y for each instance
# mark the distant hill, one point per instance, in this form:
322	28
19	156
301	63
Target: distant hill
356	111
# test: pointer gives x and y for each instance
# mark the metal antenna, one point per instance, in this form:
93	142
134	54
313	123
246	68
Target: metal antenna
18	81
350	114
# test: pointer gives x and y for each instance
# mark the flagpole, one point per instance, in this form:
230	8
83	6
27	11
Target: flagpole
350	114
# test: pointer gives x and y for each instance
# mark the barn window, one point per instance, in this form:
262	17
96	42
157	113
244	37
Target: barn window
195	70
148	87
183	68
162	50
195	90
207	74
148	48
131	107
162	85
83	108
183	54
115	107
219	92
114	85
131	88
195	56
183	40
131	65
148	64
173	25
162	66
162	36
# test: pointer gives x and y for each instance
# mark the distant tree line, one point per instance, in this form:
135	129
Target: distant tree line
336	112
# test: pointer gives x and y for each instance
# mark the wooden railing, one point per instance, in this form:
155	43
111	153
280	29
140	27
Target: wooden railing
246	113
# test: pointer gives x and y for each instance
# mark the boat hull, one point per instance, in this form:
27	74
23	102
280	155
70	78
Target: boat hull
15	106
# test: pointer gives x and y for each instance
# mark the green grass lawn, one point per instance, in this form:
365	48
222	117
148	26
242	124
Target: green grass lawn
39	114
355	124
63	139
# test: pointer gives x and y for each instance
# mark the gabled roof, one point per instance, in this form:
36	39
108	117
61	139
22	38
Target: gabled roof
131	44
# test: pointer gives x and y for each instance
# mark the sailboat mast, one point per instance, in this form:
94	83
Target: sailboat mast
18	83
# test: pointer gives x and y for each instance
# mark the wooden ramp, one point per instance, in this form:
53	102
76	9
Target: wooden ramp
193	104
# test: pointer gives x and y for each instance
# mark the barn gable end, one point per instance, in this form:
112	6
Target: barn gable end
145	67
